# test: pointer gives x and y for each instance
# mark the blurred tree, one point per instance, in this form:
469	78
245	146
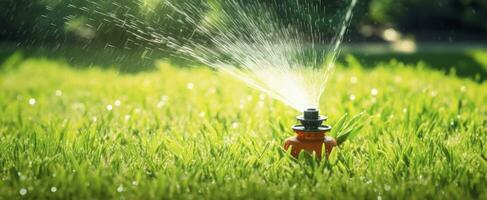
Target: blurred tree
411	15
153	23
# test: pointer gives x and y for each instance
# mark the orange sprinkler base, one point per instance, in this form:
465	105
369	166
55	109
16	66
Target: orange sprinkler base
310	142
310	135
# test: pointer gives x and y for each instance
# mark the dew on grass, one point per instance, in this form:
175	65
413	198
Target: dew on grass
120	188
109	107
135	183
234	125
59	93
161	104
94	119
32	101
53	189
434	93
374	92
23	191
404	110
127	117
352	97
118	103
190	86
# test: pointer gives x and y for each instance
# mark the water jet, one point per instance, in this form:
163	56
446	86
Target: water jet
310	135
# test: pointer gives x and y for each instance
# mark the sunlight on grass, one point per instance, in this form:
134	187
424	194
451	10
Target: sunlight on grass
194	133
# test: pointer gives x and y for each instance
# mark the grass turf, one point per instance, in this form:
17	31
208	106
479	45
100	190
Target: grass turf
192	133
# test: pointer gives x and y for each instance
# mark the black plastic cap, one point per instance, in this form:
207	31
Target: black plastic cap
311	120
311	114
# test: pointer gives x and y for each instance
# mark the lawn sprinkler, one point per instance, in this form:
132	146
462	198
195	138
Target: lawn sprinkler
310	135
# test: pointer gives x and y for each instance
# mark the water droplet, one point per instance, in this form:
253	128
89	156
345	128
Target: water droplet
120	188
118	103
190	86
234	125
127	117
353	80
374	92
404	110
161	104
433	93
53	189
94	119
352	97
23	191
59	93
134	183
109	107
32	101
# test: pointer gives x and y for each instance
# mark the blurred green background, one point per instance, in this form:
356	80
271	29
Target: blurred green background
446	34
55	21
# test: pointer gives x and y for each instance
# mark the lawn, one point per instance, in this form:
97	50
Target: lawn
68	132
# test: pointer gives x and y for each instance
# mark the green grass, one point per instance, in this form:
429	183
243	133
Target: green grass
424	135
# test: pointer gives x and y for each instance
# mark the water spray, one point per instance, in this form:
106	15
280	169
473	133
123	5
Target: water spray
310	135
285	49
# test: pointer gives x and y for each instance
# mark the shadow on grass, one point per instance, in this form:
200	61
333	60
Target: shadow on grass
125	61
467	64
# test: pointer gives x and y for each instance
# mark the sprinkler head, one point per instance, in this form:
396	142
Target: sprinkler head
310	135
311	121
